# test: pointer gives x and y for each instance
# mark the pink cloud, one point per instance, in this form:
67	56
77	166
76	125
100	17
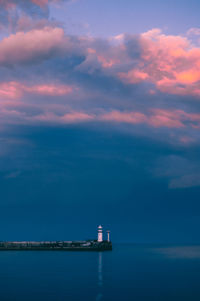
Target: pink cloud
155	118
110	56
12	100
124	117
68	118
51	90
159	118
40	2
14	90
62	114
10	90
31	46
74	117
133	76
172	63
165	118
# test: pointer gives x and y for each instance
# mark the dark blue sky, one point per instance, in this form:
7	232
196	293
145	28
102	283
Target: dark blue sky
100	120
61	182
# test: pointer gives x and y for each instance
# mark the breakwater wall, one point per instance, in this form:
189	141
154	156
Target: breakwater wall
88	245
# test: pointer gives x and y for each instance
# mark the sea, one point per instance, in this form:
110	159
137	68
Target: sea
129	272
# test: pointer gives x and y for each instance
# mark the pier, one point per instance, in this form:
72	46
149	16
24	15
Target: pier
85	245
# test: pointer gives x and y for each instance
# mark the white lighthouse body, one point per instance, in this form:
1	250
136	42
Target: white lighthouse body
100	233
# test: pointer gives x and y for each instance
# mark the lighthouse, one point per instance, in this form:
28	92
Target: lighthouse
108	235
100	233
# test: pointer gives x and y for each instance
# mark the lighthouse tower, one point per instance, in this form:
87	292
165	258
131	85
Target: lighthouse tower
100	233
108	235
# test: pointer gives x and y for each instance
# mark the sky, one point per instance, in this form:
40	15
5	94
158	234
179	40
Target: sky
100	120
109	18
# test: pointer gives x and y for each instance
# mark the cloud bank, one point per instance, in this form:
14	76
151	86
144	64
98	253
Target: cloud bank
146	84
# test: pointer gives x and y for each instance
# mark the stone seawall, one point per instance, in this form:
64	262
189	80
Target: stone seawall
89	245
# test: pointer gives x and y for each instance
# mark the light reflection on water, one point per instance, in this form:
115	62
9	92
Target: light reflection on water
100	277
190	252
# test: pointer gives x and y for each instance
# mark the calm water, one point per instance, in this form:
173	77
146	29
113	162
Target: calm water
129	272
